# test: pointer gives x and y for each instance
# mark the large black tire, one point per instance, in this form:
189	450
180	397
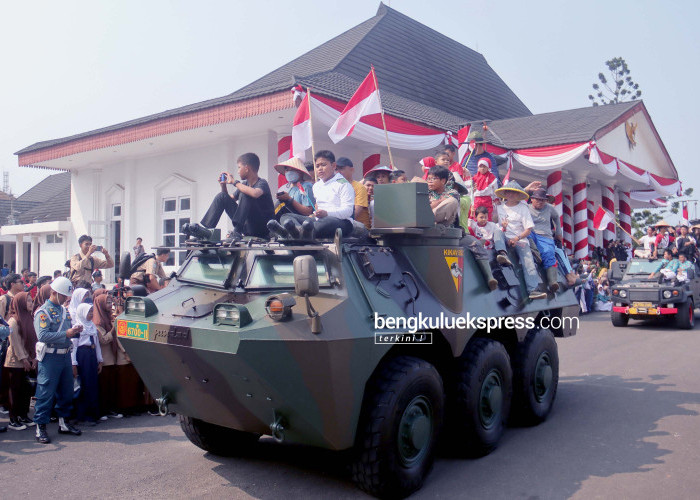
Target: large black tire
619	319
685	317
216	439
399	427
483	397
535	378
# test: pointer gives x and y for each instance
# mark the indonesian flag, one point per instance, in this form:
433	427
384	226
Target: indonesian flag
464	147
602	218
365	101
510	168
685	214
301	130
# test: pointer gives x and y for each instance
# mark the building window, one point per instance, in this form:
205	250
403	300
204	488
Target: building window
54	238
176	213
116	211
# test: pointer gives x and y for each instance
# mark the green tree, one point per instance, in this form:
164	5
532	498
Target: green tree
619	87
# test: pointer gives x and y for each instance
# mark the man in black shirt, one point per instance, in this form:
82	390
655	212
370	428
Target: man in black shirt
249	207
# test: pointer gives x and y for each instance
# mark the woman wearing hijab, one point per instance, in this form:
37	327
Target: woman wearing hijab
112	354
41	297
21	360
87	364
79	296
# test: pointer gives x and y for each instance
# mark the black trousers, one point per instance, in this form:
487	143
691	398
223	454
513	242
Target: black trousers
324	227
20	393
243	218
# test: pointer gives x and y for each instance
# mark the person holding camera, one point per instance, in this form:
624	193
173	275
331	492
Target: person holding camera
150	272
54	330
84	263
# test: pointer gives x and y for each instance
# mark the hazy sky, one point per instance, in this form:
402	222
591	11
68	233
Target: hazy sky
73	66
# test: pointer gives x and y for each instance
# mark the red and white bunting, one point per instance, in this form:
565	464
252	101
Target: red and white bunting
301	129
365	101
602	218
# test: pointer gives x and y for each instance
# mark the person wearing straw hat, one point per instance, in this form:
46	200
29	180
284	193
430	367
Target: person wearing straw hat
381	173
295	197
663	239
516	222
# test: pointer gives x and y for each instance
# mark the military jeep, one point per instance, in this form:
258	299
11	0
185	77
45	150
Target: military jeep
637	295
326	343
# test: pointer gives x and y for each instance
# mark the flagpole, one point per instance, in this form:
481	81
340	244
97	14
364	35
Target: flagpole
625	231
381	107
311	127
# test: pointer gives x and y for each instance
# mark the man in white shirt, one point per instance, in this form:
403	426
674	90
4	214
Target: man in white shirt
648	240
516	223
335	201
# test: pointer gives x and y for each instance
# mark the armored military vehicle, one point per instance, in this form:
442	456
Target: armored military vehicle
350	345
637	295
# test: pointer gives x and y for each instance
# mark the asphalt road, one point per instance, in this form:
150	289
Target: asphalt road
625	424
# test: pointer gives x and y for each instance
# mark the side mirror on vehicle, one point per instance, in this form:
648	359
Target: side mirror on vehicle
306	285
305	276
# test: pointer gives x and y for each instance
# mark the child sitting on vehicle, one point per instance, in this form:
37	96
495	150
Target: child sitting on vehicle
484	185
667	267
683	265
489	234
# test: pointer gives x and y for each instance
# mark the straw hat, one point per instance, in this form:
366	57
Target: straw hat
662	223
512	186
380	168
296	164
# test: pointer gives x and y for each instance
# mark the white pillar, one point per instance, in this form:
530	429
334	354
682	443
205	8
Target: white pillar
608	203
567	224
34	256
19	253
554	188
625	215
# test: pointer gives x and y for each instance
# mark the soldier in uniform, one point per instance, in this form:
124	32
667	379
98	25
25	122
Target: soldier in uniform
151	273
52	323
84	263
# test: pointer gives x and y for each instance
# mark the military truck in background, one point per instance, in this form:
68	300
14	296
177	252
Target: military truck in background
636	295
284	338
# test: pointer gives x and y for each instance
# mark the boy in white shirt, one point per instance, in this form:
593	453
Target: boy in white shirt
516	223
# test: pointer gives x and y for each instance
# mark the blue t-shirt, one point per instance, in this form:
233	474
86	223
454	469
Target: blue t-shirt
305	198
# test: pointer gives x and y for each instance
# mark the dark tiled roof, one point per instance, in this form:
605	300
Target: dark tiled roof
426	76
559	127
47	201
17	207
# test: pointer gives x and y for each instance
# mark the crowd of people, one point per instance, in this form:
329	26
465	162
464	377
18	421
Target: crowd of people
61	348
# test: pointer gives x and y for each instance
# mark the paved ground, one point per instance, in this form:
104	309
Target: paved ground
626	424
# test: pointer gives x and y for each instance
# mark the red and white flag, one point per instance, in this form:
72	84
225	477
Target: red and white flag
464	147
602	218
686	219
365	101
301	130
510	168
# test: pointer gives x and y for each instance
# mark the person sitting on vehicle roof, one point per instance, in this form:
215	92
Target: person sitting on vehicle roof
398	177
489	234
686	244
444	201
663	239
381	174
149	272
296	196
517	225
544	216
335	201
484	185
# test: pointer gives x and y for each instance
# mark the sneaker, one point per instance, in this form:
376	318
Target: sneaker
16	426
154	413
26	421
103	418
114	414
41	435
4	411
535	295
502	259
67	428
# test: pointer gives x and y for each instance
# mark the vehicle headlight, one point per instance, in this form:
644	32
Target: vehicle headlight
279	307
140	306
667	294
231	314
623	294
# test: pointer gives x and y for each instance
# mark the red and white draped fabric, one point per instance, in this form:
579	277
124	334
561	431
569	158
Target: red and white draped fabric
667	187
648	196
370	162
608	202
590	213
550	157
567	223
463	147
685	217
625	216
580	220
554	188
283	154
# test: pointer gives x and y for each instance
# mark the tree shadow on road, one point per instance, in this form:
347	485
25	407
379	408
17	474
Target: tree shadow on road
601	425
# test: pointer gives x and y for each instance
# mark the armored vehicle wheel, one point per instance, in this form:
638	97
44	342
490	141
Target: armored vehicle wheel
619	319
535	378
483	396
216	439
401	418
685	317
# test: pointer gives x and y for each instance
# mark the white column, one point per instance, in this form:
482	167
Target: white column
554	188
625	215
608	203
34	256
19	253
